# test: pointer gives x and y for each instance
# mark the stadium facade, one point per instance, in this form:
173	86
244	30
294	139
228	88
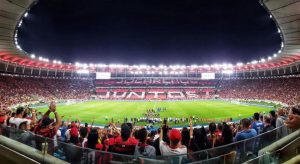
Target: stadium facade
14	60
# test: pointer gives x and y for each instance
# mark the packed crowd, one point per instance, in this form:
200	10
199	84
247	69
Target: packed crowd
284	90
139	141
15	89
131	140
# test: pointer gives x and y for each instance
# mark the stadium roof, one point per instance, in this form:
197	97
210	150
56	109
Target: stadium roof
286	14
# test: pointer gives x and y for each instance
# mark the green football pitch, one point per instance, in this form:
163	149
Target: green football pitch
102	112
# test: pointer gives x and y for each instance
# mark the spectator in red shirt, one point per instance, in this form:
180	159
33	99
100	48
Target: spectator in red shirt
46	127
125	144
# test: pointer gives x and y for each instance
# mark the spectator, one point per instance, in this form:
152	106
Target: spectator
247	149
83	136
185	135
246	132
257	125
156	142
227	136
283	131
18	119
268	137
199	140
273	118
93	140
293	120
125	144
175	146
267	124
46	127
214	134
143	149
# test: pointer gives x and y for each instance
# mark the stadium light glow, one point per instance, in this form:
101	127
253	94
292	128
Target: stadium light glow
32	56
84	65
239	64
269	58
101	65
224	66
229	65
279	51
19	47
182	66
113	65
26	14
262	60
54	61
83	71
282	45
227	71
77	64
20	24
59	62
254	62
275	55
217	66
279	30
271	16
206	66
143	66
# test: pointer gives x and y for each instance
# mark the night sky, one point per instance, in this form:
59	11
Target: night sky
149	31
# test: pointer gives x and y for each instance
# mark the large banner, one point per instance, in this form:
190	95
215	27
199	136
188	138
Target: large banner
103	75
170	94
139	81
207	76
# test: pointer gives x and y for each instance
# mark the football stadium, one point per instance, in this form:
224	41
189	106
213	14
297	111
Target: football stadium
65	111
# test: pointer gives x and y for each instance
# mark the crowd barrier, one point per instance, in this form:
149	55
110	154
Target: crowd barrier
285	150
237	152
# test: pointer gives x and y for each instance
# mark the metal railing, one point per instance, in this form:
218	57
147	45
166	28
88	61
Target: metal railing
237	152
